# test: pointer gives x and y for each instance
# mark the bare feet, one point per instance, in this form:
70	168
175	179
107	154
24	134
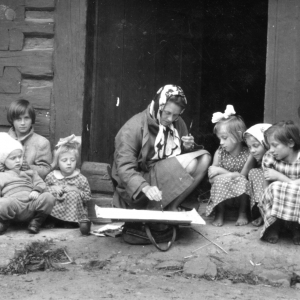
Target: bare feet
242	219
219	218
258	222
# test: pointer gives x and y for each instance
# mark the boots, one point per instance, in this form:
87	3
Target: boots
35	224
3	226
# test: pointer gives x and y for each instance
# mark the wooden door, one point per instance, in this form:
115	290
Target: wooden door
133	48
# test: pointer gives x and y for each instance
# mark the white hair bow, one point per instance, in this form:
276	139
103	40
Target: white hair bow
218	116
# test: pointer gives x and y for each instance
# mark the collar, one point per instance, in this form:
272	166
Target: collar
13	134
57	174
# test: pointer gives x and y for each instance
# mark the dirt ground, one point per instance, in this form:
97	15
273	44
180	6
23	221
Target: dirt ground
108	268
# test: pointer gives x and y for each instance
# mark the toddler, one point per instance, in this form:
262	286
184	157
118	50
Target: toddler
230	167
67	185
22	196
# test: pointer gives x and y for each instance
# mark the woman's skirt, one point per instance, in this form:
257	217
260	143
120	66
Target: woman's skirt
225	188
281	200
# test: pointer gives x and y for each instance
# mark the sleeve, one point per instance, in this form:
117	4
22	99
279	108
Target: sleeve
49	184
38	183
268	161
43	159
128	144
85	193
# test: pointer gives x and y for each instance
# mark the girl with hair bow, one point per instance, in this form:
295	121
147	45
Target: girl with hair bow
230	168
70	188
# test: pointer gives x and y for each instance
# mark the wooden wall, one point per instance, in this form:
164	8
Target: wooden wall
283	62
42	51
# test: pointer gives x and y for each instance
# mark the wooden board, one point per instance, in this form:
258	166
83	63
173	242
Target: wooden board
132	215
30	27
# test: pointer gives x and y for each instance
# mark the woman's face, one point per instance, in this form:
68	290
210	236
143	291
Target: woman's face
170	113
255	147
22	124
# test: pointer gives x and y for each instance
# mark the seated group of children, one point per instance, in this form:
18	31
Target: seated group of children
29	190
258	171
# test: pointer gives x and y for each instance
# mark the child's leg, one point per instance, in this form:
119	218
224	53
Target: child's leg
244	205
8	210
219	217
296	233
258	216
272	232
258	222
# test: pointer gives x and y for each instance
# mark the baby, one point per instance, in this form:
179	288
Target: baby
22	196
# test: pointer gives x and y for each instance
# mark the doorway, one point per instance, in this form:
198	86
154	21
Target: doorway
214	50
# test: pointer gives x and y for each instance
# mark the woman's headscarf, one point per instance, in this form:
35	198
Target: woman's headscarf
258	132
167	141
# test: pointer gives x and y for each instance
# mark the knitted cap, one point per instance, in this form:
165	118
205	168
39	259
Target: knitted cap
7	146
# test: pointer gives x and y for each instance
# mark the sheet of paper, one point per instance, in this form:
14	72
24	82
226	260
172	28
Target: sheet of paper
133	215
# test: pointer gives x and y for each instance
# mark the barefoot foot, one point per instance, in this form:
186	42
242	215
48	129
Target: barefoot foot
242	220
219	219
272	234
258	222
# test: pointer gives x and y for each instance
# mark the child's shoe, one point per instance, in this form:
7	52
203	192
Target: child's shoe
36	223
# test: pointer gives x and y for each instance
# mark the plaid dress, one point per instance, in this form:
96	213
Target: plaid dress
226	188
73	207
281	199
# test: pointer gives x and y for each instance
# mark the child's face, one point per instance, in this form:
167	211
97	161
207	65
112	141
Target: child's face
279	150
23	124
255	147
226	140
67	163
14	160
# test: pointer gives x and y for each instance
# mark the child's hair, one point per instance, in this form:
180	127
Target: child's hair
264	143
235	126
18	108
284	132
70	147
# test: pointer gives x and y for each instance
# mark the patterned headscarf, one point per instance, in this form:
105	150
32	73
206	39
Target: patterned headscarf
258	132
167	142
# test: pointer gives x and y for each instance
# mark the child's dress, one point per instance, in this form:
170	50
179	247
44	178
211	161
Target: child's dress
225	188
73	207
255	188
281	199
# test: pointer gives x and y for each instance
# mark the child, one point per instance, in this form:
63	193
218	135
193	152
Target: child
37	151
22	192
255	141
281	165
67	185
230	167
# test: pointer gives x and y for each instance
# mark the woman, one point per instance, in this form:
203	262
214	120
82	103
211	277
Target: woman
37	150
150	169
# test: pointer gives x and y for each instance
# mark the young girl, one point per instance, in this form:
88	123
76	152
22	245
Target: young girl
281	165
70	188
230	167
22	193
37	151
255	141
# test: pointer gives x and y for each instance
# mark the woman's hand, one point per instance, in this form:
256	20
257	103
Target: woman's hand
34	195
188	142
271	174
152	193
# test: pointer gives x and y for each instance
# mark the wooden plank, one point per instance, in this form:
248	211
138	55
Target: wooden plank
69	64
33	43
45	4
10	82
14	4
37	92
16	39
29	27
4	39
38	63
48	15
94	168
